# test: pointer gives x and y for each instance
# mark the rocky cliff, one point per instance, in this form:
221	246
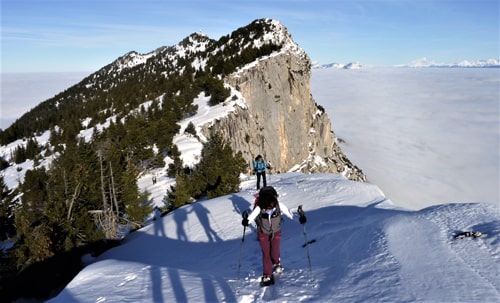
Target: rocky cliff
279	120
282	121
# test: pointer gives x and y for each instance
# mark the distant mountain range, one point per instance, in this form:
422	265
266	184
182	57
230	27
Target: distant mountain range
350	65
423	62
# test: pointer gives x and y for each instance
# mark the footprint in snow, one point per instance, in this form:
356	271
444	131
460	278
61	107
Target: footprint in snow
128	278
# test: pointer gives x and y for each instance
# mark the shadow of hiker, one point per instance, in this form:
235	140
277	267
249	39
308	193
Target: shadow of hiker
202	212
177	285
178	264
158	224
157	283
175	267
240	204
180	217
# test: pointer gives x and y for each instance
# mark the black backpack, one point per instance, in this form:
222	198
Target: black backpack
266	224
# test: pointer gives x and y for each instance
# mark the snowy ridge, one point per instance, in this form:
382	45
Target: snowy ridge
281	36
198	42
366	250
130	60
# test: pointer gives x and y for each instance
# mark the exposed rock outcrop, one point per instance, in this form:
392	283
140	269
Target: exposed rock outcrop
282	121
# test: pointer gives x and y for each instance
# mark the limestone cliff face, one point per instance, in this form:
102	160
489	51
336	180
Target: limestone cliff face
282	122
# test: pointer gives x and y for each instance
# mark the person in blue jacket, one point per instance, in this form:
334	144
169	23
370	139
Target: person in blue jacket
259	167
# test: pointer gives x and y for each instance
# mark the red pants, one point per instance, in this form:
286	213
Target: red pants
270	246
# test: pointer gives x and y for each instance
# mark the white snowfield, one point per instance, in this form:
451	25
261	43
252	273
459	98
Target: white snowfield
365	250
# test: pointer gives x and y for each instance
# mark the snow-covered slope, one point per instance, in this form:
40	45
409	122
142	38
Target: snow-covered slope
366	250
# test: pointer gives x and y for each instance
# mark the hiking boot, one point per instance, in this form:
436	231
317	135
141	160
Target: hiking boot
277	268
267	280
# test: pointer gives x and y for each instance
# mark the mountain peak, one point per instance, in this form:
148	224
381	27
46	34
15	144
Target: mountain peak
196	41
130	60
266	31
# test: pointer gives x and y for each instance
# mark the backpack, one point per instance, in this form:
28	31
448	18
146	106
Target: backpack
268	224
259	166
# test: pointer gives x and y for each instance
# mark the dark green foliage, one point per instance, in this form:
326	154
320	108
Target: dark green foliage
3	164
54	215
32	225
7	228
32	148
135	206
181	193
37	282
176	167
218	93
190	129
239	49
20	154
218	172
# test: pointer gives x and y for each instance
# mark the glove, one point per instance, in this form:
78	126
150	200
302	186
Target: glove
244	222
302	219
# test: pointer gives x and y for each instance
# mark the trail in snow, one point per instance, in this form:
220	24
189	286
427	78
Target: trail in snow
366	250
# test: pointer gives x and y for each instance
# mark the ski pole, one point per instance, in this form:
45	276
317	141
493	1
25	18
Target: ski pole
269	168
302	215
245	216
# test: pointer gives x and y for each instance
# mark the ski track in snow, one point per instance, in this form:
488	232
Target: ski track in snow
433	260
251	292
474	253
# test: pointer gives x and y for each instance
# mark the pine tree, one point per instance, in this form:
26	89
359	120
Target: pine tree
32	225
20	154
137	205
219	169
175	167
180	194
190	129
7	228
32	148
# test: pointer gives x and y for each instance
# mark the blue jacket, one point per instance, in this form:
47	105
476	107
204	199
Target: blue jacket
259	166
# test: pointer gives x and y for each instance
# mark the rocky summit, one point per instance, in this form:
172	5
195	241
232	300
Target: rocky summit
281	120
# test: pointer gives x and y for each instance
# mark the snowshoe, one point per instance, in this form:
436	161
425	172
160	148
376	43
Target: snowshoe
277	268
267	280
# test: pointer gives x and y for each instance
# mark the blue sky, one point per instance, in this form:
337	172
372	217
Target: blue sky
85	35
